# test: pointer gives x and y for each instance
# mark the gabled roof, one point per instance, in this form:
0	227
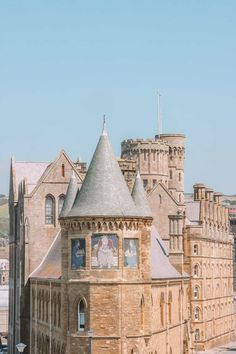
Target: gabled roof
70	196
30	171
50	267
166	190
161	268
104	191
51	166
140	197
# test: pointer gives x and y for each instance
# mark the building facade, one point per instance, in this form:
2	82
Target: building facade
120	253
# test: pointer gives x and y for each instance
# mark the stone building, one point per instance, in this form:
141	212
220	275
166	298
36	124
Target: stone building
208	248
4	280
115	258
37	192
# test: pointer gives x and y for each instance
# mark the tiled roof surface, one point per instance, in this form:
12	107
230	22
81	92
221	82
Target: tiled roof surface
140	197
161	268
32	171
104	191
193	211
50	267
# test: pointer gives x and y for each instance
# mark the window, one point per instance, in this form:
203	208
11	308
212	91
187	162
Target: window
169	306
195	249
154	182
49	210
81	316
162	309
196	270
180	177
180	198
160	199
145	183
197	313
197	334
60	203
196	292
63	170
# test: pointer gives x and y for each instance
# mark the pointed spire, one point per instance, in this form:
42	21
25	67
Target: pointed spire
104	128
70	195
140	197
104	191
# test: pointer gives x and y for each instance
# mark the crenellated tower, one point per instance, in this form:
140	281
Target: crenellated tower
159	160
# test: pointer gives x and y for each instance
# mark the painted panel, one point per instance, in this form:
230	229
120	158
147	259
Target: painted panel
78	253
104	251
130	252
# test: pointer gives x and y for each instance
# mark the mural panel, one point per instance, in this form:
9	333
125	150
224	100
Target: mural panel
104	251
78	253
130	252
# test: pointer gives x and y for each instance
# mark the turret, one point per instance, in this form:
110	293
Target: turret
106	251
176	157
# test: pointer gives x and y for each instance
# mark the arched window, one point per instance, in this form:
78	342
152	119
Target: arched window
171	174
49	210
197	334
63	170
196	292
81	316
160	199
180	177
195	249
197	313
169	306
60	203
162	308
142	312
196	270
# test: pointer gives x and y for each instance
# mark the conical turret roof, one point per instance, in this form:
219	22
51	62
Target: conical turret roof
140	197
104	191
70	196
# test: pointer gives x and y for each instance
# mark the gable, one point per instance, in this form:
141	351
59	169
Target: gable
58	172
162	204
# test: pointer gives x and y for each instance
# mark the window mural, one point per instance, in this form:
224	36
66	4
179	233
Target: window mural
104	251
78	252
130	252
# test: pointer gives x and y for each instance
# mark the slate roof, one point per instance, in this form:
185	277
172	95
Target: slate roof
161	268
140	197
50	267
193	211
70	196
104	191
32	171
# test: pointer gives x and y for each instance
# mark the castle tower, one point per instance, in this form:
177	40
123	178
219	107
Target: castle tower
106	258
151	156
159	160
176	158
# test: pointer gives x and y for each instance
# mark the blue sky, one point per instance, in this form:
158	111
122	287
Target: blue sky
63	64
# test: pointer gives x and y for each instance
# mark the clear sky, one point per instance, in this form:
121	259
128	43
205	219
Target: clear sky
63	64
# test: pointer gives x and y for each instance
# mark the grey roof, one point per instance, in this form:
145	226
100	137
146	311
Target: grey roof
70	196
193	211
140	197
31	171
50	267
104	191
161	268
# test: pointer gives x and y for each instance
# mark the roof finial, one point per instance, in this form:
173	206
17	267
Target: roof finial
104	130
